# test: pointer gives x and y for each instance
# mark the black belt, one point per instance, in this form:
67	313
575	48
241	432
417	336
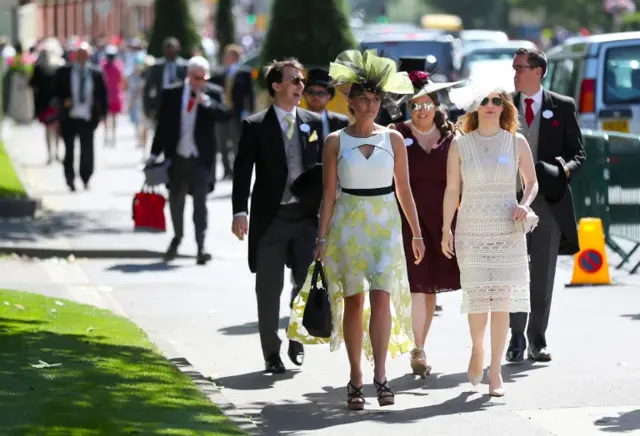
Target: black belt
369	192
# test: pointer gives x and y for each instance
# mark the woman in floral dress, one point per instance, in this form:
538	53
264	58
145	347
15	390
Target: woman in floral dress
427	136
360	236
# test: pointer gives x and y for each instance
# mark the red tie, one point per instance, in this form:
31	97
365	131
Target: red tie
190	104
528	114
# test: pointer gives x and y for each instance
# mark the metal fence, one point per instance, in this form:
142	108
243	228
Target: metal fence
608	187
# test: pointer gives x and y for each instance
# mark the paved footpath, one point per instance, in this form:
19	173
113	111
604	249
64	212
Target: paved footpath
208	316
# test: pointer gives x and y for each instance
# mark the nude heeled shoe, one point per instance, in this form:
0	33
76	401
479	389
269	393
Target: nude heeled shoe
474	378
419	363
496	391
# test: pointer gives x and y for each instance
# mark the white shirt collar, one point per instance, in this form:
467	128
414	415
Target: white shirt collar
281	113
537	98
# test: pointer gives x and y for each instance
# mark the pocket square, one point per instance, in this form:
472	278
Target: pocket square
313	136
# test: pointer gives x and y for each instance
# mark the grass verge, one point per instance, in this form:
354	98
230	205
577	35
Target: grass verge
105	377
10	184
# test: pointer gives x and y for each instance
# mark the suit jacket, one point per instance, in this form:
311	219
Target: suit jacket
154	84
261	146
167	134
242	94
560	135
337	121
62	91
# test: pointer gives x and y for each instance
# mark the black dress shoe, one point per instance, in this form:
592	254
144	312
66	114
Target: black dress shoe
274	365
539	354
202	258
296	353
517	347
172	251
72	186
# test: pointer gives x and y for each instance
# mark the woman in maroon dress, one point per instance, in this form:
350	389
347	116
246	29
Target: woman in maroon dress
427	135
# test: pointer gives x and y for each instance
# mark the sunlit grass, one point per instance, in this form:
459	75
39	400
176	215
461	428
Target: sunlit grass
111	380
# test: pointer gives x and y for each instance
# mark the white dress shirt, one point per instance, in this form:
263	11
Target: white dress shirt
170	70
537	102
281	113
187	146
81	110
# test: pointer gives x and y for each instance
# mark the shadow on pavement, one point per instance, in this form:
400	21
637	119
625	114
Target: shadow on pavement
254	381
623	423
328	409
632	317
56	224
132	268
249	328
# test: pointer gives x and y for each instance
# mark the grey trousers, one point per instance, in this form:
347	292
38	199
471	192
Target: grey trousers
544	244
289	240
189	176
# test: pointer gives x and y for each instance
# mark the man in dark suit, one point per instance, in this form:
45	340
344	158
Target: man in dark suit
166	72
239	97
187	117
549	123
283	143
318	92
80	91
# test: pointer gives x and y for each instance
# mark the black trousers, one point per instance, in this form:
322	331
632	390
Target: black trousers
70	129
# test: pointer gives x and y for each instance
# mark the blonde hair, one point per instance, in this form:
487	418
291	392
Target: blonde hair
508	118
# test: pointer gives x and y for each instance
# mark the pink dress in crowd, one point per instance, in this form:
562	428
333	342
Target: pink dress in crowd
113	72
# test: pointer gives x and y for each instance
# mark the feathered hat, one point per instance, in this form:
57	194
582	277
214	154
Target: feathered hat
373	73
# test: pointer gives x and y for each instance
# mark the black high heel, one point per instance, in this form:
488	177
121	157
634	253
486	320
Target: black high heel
355	397
386	397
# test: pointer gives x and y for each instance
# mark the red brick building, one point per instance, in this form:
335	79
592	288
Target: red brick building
92	18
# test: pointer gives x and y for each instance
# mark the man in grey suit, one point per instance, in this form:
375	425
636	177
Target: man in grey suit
166	72
549	123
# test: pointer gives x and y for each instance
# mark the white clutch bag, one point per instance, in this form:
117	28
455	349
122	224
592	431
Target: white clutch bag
528	224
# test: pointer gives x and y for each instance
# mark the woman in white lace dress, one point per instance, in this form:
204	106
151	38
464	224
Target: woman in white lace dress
491	251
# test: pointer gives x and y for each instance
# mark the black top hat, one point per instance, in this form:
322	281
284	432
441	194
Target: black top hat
552	180
320	77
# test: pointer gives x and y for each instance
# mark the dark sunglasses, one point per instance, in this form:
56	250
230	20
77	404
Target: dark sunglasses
497	101
297	80
427	105
317	93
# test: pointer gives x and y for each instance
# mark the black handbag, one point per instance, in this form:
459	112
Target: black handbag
317	313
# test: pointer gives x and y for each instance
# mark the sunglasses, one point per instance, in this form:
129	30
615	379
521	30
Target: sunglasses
317	93
497	101
198	78
297	80
427	105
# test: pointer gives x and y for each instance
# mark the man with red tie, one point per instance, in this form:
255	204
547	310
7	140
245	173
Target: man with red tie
187	118
549	123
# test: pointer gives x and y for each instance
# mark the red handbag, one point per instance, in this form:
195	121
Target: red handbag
148	210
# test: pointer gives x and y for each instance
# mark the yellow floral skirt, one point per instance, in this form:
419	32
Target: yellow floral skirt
364	251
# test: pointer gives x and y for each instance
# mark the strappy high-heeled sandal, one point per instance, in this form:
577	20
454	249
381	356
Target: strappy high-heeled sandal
386	397
355	397
419	363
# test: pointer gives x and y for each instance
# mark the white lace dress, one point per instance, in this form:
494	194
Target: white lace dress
492	254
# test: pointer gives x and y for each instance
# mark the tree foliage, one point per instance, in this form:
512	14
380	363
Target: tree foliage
173	18
314	32
225	25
